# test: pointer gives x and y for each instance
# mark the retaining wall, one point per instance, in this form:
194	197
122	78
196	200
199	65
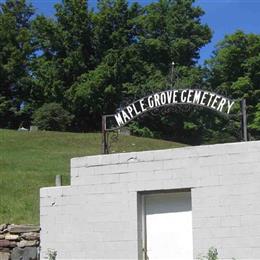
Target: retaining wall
19	242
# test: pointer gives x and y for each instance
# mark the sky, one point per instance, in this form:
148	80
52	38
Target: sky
222	16
227	16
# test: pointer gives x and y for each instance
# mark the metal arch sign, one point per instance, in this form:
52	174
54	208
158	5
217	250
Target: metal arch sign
196	97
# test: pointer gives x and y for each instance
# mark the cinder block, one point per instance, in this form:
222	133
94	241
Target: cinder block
79	162
174	164
250	220
87	180
212	160
230	221
107	159
111	178
51	192
145	166
163	174
128	177
145	175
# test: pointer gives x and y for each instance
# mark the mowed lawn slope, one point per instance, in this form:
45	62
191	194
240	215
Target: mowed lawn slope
30	160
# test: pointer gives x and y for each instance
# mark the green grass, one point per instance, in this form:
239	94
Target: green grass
30	160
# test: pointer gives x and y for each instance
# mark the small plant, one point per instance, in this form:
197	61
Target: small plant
52	254
211	255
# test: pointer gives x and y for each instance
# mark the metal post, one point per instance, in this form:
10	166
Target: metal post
104	136
144	229
58	180
244	120
172	71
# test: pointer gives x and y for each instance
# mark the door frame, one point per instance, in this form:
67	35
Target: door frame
142	228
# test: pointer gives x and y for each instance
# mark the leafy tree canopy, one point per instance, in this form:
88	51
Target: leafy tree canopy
16	51
235	70
92	62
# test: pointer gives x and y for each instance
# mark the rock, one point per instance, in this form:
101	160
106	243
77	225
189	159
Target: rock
31	236
16	229
5	250
13	244
2	236
25	243
17	253
4	243
11	237
4	256
28	253
3	227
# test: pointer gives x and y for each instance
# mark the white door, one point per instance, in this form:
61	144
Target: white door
169	226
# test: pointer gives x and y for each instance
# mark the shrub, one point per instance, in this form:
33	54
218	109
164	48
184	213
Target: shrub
211	255
137	130
52	116
52	254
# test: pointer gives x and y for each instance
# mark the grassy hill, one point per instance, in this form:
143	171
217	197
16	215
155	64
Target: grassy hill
30	160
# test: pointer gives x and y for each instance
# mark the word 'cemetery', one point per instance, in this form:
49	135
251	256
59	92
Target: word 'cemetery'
171	97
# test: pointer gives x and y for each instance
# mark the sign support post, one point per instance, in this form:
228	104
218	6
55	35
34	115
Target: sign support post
244	120
104	136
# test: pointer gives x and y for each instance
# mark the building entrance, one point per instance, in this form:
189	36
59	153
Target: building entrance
168	226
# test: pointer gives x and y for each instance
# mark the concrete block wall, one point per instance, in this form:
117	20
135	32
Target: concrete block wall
96	216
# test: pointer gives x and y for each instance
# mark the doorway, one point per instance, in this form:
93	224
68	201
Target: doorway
167	226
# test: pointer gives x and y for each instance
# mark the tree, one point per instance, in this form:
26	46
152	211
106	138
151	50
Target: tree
135	47
16	51
92	62
100	90
172	31
235	70
52	116
65	50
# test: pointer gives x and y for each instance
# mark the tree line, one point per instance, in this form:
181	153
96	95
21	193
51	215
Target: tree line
65	72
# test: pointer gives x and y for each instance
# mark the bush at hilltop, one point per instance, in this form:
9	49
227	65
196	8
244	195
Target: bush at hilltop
52	116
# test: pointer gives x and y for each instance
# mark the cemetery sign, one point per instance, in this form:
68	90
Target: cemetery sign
197	97
172	97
